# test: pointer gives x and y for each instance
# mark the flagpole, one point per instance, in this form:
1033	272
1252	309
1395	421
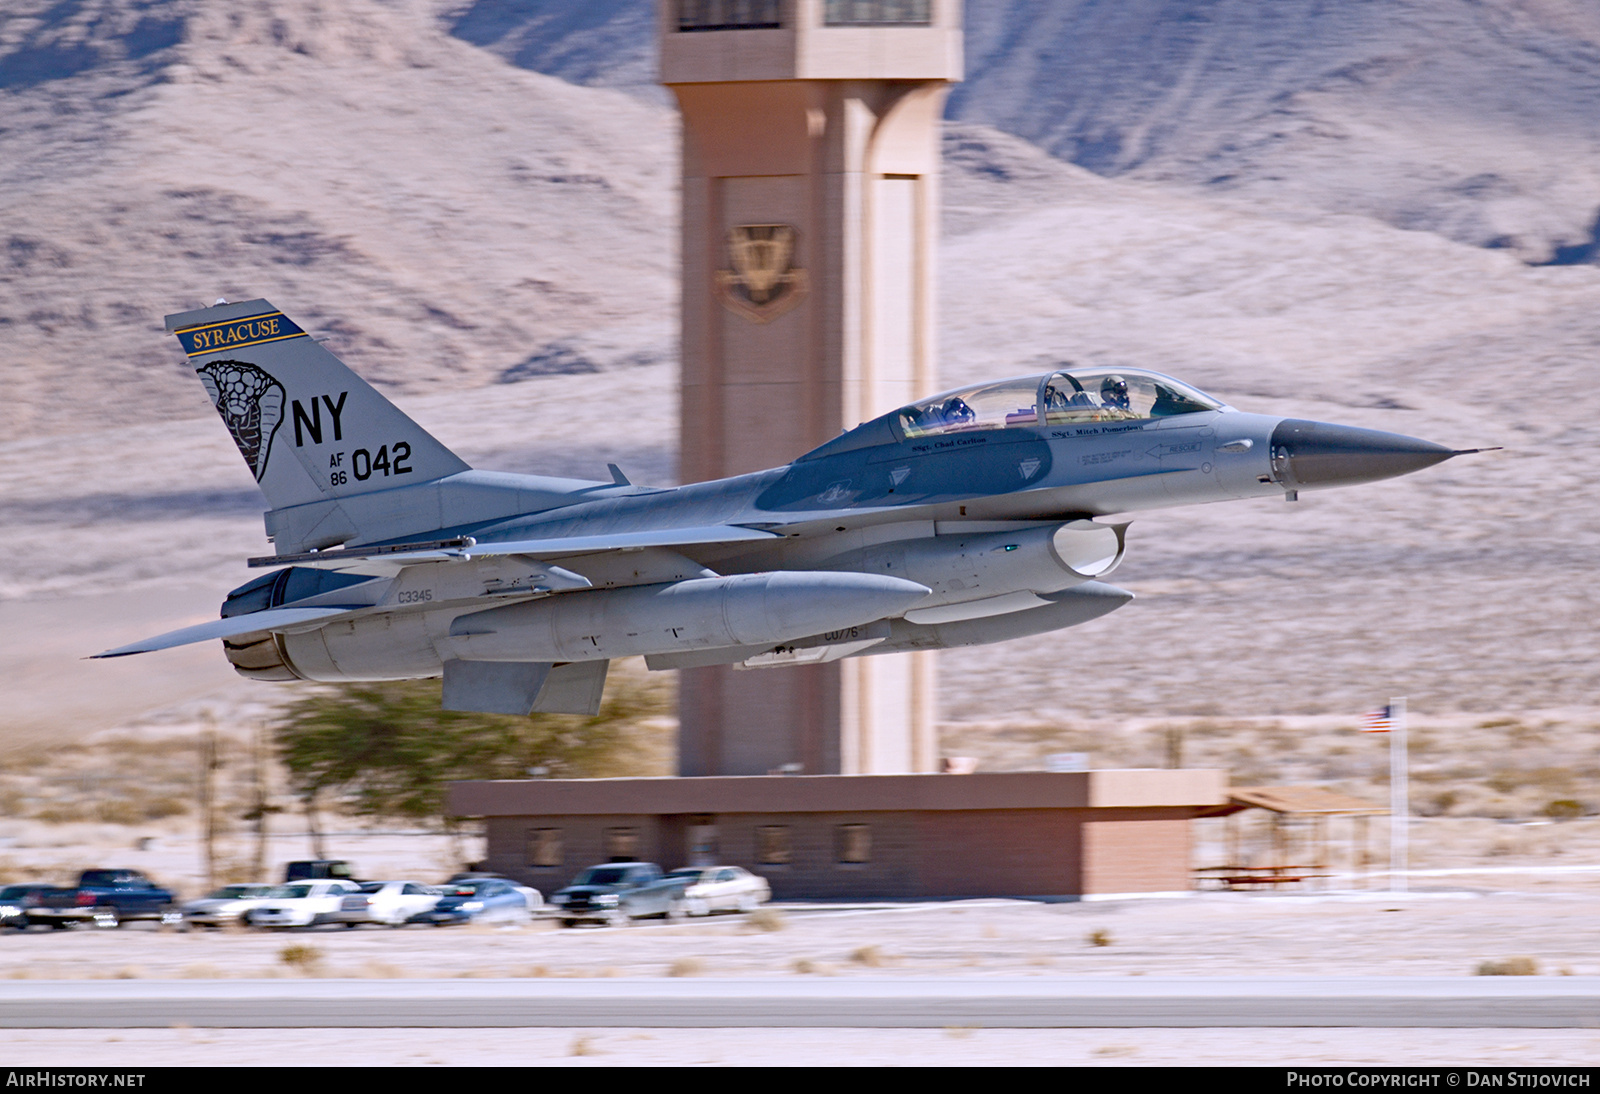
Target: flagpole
1399	809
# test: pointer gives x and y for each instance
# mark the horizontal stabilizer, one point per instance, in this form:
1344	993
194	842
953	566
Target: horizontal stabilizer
274	619
553	547
573	689
524	687
488	687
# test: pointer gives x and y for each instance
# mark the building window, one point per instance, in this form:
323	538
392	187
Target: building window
703	848
622	844
854	843
878	13
772	844
544	847
728	15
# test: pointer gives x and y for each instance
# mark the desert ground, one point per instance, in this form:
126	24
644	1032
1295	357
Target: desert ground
1439	929
955	1047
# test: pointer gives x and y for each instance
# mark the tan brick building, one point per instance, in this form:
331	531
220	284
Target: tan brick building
1038	834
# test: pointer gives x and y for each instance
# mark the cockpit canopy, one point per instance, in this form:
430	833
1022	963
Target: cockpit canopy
1066	396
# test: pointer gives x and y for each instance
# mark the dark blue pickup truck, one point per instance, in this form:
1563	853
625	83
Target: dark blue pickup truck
106	898
617	893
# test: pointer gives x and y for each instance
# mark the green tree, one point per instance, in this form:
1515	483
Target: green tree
387	750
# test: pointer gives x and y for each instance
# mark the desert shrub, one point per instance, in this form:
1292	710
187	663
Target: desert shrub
300	956
1556	780
388	750
870	956
1504	781
1439	804
765	919
138	808
380	970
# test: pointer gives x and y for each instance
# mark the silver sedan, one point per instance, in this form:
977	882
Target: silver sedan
223	907
722	889
389	903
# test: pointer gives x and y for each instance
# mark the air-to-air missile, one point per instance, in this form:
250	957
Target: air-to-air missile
980	515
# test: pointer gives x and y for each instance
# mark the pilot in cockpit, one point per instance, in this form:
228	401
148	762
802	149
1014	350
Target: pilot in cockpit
1114	393
937	416
1059	397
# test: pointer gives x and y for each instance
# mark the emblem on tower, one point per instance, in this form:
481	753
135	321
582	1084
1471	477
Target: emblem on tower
762	283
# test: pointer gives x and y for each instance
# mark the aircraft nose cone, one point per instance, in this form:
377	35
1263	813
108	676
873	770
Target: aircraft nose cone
1308	454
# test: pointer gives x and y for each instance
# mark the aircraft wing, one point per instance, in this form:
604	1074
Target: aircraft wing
390	559
380	559
273	619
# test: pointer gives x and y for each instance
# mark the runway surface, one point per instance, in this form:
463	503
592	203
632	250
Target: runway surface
1438	1002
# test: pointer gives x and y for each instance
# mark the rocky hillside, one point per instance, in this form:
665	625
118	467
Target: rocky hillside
443	216
1470	118
416	185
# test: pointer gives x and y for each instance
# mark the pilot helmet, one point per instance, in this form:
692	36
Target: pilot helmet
1114	391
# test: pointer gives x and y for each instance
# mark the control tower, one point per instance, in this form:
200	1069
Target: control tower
810	228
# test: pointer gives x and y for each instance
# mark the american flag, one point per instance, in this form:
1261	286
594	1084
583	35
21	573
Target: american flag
1377	721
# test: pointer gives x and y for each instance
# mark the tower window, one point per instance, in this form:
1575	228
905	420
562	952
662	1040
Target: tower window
728	15
878	13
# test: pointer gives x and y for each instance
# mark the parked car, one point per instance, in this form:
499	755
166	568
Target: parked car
223	907
617	893
301	904
106	898
390	903
316	869
722	889
15	900
482	900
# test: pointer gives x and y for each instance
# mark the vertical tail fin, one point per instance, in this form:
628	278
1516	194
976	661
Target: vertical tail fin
309	429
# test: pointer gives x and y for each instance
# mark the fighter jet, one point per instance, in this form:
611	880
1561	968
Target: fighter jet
984	514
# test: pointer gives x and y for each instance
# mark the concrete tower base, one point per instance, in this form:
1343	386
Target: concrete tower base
810	204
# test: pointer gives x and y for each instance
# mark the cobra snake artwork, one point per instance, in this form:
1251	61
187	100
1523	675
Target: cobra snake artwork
251	403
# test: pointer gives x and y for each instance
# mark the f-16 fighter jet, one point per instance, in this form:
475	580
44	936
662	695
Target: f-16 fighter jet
970	517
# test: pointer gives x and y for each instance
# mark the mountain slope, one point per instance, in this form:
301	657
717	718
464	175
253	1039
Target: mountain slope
433	212
1470	118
